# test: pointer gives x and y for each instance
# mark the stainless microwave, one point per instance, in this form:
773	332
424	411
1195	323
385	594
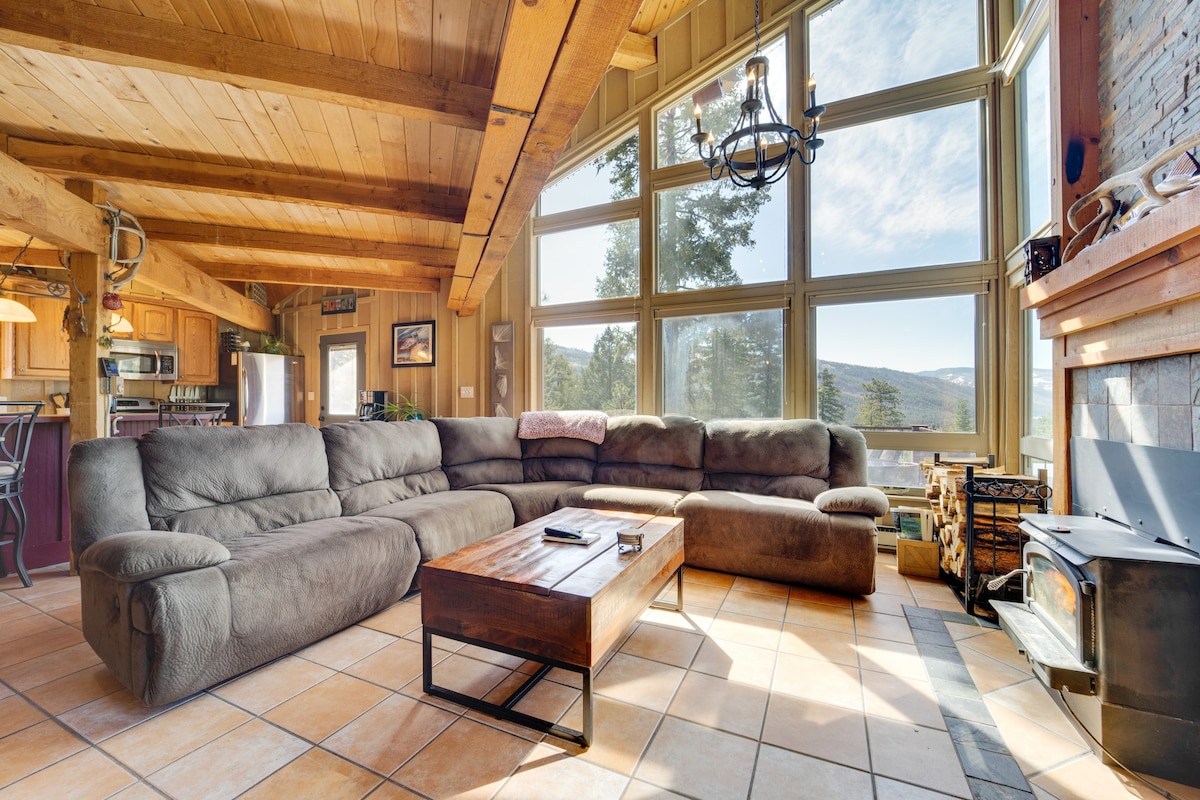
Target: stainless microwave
146	361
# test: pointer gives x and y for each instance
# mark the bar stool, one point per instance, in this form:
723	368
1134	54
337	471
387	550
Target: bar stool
191	414
16	431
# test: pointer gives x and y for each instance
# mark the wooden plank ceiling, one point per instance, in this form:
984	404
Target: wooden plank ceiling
391	145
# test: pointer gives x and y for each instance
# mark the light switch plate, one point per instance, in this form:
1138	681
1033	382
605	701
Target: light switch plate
466	391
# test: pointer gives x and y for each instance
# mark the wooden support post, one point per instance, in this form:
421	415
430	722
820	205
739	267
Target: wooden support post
1074	105
89	403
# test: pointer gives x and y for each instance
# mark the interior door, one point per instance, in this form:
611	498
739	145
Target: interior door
343	375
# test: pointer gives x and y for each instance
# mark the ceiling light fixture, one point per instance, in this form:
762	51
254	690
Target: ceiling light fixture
750	155
12	311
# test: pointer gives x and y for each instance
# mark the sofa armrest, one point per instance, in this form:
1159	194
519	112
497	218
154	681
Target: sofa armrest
853	500
141	555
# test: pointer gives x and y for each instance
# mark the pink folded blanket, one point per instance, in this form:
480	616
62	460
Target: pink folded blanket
587	425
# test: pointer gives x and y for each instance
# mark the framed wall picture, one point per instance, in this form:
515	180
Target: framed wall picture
339	303
413	344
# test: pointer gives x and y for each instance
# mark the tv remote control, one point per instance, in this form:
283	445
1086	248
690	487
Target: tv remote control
563	532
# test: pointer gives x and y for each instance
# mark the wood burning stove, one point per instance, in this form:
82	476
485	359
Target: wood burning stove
1109	619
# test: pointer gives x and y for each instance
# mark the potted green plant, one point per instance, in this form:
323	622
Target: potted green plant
403	408
274	344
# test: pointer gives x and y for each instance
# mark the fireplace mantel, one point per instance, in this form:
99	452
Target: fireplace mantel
1133	295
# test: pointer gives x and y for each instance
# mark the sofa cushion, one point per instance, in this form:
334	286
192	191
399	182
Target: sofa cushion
779	539
853	500
530	500
375	463
142	555
106	490
446	521
479	450
229	481
847	457
652	452
622	498
558	459
783	458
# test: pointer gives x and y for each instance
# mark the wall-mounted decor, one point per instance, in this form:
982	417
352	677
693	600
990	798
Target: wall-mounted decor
339	303
412	344
502	357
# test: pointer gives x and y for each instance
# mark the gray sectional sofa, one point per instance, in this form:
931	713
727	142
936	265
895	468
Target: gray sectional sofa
204	552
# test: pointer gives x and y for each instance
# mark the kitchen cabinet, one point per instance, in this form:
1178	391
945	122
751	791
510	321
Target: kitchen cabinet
153	323
41	349
197	347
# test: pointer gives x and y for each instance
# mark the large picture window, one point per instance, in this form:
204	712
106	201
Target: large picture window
588	263
590	366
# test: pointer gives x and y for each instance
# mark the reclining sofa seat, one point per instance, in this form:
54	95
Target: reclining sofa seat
205	552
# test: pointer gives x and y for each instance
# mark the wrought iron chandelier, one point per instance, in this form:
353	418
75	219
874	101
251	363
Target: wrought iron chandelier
750	155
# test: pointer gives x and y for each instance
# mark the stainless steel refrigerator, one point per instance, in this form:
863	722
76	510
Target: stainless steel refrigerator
261	388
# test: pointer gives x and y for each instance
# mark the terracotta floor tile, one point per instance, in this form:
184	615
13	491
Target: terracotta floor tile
395	665
397	620
685	621
959	631
743	584
882	626
389	734
466	675
940	605
667	645
71	615
157	742
888	789
34	748
990	674
45	581
5	691
882	604
391	791
913	754
551	774
741	663
819	615
87	775
230	765
894	658
75	689
316	774
491	656
272	684
17	713
138	791
703	595
767	606
51	666
744	629
13	610
346	647
57	638
997	645
903	699
1032	699
645	683
930	589
817	729
620	733
317	712
26	625
440	770
720	704
886	584
804	640
1088	779
782	773
803	594
547	700
1035	748
697	761
721	580
108	715
640	790
55	600
813	679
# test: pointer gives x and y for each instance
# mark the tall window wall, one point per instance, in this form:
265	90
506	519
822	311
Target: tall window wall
860	290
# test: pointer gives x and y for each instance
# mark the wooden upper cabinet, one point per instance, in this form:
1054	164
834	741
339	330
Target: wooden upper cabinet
197	347
42	349
153	323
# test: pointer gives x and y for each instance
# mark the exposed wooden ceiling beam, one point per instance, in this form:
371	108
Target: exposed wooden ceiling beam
98	164
319	276
285	242
636	52
37	206
31	258
166	272
114	37
595	32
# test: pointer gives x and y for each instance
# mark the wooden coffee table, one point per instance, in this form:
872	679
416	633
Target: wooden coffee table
560	605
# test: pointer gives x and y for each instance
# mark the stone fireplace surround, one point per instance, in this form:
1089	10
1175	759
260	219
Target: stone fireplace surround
1154	402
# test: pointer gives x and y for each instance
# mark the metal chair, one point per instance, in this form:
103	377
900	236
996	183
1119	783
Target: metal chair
16	431
191	414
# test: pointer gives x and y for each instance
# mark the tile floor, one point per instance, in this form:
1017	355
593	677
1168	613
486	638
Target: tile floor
758	690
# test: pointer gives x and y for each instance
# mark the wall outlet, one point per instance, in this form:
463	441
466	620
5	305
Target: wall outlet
466	391
312	396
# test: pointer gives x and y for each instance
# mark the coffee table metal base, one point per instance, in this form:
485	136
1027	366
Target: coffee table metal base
505	710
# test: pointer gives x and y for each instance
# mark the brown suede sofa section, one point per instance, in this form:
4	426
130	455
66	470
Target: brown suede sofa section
781	500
